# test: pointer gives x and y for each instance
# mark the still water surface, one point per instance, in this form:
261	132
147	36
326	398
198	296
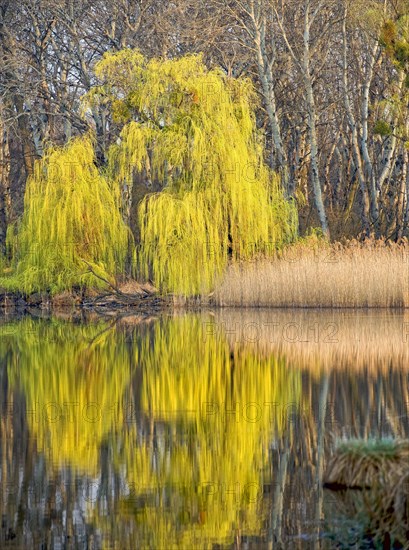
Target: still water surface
191	431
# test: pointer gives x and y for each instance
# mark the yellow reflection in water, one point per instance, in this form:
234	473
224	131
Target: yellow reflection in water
215	411
73	378
209	397
196	472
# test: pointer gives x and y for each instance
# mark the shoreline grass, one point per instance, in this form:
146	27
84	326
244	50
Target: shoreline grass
316	274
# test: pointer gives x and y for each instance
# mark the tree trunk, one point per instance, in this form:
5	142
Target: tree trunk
264	66
312	128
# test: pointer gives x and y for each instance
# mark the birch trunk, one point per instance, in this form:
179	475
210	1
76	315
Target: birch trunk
311	124
265	73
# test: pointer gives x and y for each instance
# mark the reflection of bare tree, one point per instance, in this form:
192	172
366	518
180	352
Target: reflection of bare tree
275	527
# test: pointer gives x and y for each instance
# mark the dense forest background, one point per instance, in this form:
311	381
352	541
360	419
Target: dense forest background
332	77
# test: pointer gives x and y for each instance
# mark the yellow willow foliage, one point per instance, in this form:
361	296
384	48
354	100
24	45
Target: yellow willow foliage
71	221
74	380
193	130
216	412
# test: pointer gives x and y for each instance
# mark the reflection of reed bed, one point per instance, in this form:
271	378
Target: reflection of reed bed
369	463
320	339
379	519
312	274
380	470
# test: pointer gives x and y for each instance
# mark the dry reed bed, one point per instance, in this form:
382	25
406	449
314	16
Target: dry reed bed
372	340
313	274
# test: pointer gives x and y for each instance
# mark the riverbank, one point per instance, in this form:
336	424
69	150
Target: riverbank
310	274
132	296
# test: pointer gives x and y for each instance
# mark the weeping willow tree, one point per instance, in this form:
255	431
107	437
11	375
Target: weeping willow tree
71	227
192	130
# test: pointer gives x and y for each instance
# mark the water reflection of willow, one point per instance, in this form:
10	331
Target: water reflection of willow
215	414
192	447
74	380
